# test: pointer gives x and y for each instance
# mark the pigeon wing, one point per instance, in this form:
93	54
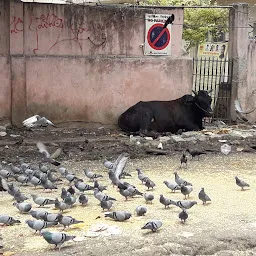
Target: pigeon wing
29	122
42	149
120	164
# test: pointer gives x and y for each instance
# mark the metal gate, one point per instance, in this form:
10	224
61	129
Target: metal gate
215	74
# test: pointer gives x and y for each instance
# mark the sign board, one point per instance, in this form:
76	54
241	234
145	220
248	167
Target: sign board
215	50
157	38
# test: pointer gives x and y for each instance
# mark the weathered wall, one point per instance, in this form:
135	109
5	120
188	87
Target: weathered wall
83	63
251	88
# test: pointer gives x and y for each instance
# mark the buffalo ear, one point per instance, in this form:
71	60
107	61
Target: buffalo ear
194	92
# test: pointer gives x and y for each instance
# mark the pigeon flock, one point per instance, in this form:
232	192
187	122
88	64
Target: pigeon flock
50	176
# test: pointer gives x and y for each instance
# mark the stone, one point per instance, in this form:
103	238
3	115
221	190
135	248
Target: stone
164	138
189	134
2	128
177	138
2	134
238	134
14	135
190	139
148	138
202	137
160	145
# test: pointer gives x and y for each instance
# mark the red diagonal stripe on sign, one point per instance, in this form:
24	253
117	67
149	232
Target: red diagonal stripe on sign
159	36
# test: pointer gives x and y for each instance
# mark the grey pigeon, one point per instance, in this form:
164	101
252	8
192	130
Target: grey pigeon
202	196
153	225
12	190
43	168
34	180
148	197
241	183
118	215
101	196
71	190
5	174
134	191
108	164
166	202
186	190
15	169
124	174
183	160
61	205
106	204
37	121
23	179
180	181
125	193
119	164
45	154
23	207
99	186
56	238
149	183
81	186
172	185
47	184
66	221
185	204
19	197
8	220
69	200
38	225
92	176
38	214
141	175
50	217
51	177
183	215
41	201
63	193
141	210
83	199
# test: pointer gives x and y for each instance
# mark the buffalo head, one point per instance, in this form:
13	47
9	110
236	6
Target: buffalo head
203	102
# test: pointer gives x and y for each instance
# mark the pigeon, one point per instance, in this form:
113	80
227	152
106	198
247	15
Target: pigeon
186	190
83	199
118	215
47	184
194	152
106	204
23	207
61	205
43	168
92	176
183	160
141	210
50	217
3	185
183	215
37	121
141	175
81	186
108	164
125	174
148	197
5	174
15	169
23	179
202	196
51	177
119	164
101	196
185	204
63	193
56	238
71	190
98	186
38	214
41	201
149	183
66	221
34	180
69	200
173	186
19	197
45	154
12	190
241	183
125	193
166	202
8	220
133	190
38	225
180	181
153	225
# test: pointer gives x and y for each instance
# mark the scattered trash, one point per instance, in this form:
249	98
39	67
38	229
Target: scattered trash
222	141
2	134
225	149
14	135
102	229
160	145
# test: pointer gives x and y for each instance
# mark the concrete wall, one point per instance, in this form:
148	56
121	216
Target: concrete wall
82	63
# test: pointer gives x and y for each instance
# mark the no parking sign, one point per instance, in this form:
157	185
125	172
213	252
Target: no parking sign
157	35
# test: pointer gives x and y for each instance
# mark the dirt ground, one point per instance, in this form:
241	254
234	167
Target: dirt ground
226	226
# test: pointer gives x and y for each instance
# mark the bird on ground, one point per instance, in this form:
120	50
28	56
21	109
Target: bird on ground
3	185
202	196
61	205
241	183
141	210
172	185
92	176
141	175
165	201
148	197
66	221
186	190
23	207
46	156
8	220
37	121
183	215
153	225
42	201
99	186
195	152
108	164
38	225
83	199
183	160
118	215
6	174
149	183
56	238
37	214
71	190
185	204
181	181
106	204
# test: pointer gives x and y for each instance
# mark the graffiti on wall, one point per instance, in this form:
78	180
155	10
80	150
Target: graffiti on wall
61	30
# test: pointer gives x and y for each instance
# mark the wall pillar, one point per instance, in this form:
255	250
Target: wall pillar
238	51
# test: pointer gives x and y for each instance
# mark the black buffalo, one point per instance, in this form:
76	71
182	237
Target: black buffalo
150	118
